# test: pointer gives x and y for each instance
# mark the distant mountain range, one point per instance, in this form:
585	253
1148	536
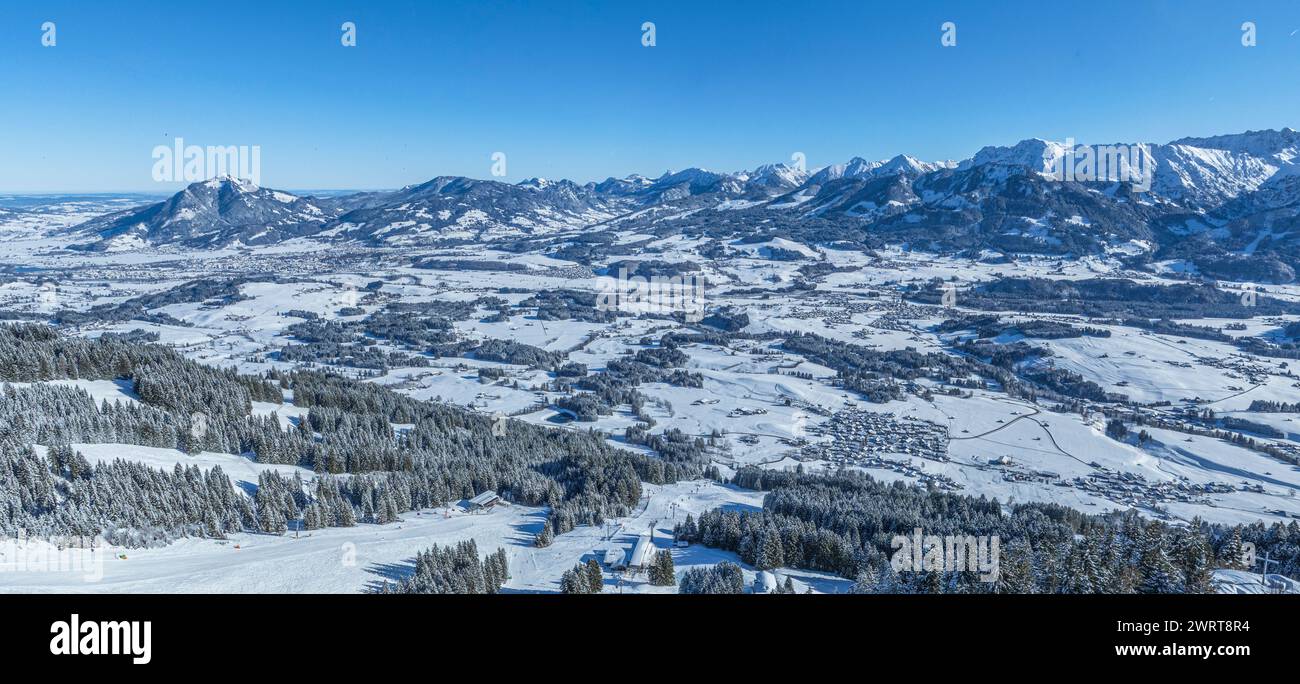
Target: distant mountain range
1228	206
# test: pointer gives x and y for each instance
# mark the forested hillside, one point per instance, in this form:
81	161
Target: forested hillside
846	522
446	455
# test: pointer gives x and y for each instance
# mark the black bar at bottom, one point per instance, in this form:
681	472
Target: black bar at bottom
312	631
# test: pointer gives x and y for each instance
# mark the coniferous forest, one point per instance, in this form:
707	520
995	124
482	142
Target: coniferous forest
845	522
369	473
449	454
455	570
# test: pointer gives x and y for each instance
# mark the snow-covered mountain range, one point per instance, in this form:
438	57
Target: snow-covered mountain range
1212	201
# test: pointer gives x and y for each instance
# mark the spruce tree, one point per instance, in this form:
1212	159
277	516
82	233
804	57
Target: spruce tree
1016	569
1193	557
1233	553
662	573
1156	574
544	538
574	581
595	578
770	553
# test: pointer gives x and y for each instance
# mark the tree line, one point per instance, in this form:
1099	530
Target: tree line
846	522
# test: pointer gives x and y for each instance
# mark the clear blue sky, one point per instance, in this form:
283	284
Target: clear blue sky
566	89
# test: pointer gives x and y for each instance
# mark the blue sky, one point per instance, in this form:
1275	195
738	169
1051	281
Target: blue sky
566	89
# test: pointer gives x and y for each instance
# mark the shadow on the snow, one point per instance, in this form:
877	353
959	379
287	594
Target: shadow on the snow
392	573
738	507
528	528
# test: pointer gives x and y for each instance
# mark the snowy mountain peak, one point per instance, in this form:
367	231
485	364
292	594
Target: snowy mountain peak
858	167
226	182
1034	154
212	213
905	164
689	175
777	176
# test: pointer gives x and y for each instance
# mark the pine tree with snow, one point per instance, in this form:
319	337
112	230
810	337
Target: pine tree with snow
883	580
574	581
368	509
344	515
689	531
1193	557
498	560
1156	573
1233	553
1016	569
595	578
770	553
544	538
662	573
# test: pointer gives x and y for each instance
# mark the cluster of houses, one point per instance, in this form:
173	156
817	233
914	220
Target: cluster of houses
855	432
846	309
836	309
566	272
1132	489
1238	367
1011	474
867	439
897	316
900	315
